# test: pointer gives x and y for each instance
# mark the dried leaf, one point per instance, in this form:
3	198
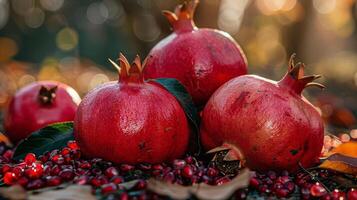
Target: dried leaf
15	192
341	163
347	149
72	192
200	191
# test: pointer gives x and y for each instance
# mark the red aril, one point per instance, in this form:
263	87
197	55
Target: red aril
37	105
131	121
267	124
201	59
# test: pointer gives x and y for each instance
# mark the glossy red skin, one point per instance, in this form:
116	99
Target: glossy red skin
201	59
131	123
25	114
268	122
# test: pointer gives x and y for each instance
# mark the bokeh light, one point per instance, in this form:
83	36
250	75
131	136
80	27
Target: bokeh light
34	17
51	5
67	39
8	48
4	13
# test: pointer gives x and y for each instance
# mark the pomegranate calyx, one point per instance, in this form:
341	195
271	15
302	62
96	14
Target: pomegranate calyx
182	18
295	77
127	72
46	96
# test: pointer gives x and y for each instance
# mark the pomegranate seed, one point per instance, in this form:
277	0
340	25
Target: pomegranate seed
95	182
55	170
140	185
5	168
53	181
58	159
241	194
76	154
352	194
281	193
72	145
126	167
82	180
212	172
169	177
283	179
124	196
222	180
317	190
187	172
96	171
254	182
189	159
18	171
43	158
66	174
157	167
111	171
179	164
65	151
290	186
9	178
271	175
8	154
264	189
85	165
285	173
117	179
67	159
30	158
35	171
108	188
277	186
326	197
144	166
23	181
337	195
35	184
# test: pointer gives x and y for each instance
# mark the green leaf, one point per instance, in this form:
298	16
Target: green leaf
54	136
184	98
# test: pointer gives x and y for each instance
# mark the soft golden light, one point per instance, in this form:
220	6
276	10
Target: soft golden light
67	39
8	48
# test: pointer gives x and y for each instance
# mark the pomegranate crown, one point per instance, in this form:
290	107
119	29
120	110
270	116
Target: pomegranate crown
127	72
296	79
47	95
182	18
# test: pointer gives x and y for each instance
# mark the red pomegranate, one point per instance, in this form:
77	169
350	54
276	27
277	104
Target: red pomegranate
131	121
37	105
201	59
268	124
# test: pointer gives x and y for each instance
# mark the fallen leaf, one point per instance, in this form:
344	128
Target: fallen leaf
347	149
341	163
200	191
72	192
15	192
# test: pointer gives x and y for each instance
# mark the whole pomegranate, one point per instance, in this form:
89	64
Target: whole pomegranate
201	59
37	105
131	121
268	124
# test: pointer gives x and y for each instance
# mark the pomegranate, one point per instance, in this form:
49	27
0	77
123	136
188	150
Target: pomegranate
131	121
267	124
37	105
201	59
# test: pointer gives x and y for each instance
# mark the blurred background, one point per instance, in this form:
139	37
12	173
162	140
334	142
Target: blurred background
71	40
